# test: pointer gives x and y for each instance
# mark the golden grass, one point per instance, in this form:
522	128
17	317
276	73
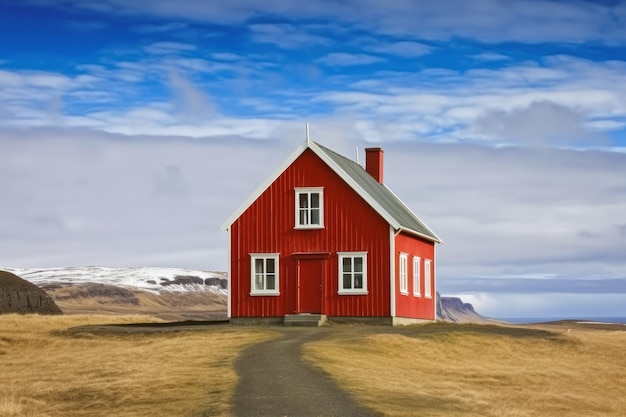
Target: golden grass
482	373
44	372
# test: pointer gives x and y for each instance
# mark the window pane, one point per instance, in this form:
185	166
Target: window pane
270	282
358	264
304	200
315	200
347	281
269	266
358	281
427	277
315	216
258	266
304	216
347	265
258	282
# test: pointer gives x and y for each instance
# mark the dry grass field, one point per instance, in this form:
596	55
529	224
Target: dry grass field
46	372
474	370
429	370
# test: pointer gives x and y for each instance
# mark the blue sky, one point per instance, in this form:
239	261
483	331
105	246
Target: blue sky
129	130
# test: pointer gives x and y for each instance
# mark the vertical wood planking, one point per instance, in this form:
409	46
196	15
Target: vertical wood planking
409	305
267	226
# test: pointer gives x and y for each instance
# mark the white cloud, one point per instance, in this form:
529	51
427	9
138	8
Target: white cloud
407	49
452	105
34	79
541	123
566	97
226	56
491	56
605	125
190	101
170	181
168	48
82	197
286	35
343	59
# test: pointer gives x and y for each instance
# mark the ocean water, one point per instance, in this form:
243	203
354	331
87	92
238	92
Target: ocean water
530	320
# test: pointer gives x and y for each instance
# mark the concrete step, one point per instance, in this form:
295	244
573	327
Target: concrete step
304	319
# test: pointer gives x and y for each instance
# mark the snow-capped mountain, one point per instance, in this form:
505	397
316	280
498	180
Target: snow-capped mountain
150	279
182	293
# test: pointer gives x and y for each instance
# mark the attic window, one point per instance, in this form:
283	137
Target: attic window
309	208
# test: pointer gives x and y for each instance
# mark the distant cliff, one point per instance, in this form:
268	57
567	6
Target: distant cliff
453	309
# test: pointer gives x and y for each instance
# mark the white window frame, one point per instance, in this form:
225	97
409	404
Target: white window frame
253	273
309	191
427	278
404	274
352	291
417	276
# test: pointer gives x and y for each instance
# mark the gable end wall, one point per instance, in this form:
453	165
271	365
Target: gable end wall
267	226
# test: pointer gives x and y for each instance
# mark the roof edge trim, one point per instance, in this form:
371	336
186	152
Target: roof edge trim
422	235
260	189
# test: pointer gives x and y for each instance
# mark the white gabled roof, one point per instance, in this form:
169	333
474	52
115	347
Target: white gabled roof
377	195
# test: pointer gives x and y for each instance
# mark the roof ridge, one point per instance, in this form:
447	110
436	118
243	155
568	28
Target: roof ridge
381	196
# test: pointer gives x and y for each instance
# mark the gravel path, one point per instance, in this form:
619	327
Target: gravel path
274	381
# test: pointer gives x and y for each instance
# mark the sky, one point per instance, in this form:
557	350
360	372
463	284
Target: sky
130	130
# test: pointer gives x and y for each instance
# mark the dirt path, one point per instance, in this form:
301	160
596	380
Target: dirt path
274	381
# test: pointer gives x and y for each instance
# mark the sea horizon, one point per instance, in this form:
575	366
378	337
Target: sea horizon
531	320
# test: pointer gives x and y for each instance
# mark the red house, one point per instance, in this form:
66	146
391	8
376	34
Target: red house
324	238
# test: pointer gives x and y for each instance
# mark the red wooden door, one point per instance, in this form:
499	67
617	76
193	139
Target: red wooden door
310	289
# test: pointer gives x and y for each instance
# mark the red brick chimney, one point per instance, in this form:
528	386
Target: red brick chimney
374	163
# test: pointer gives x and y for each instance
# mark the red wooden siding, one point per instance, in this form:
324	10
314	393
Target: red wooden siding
410	305
267	226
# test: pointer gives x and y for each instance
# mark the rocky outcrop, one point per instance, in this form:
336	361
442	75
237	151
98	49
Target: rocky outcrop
453	309
217	282
20	296
182	280
194	280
